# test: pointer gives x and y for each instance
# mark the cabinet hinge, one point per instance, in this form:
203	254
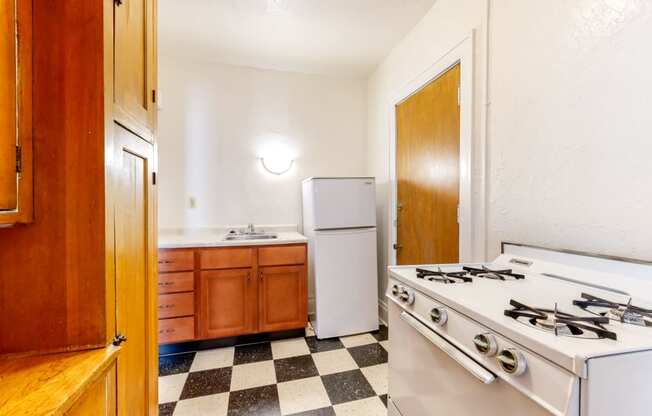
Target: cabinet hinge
154	96
153	178
19	159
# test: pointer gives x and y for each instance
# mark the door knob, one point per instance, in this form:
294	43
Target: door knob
119	339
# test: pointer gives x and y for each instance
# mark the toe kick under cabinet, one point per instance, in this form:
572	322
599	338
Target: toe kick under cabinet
207	293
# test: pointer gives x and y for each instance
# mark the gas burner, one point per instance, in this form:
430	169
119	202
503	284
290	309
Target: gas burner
443	277
560	323
493	274
621	312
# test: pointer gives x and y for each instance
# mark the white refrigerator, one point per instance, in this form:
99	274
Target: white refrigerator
339	219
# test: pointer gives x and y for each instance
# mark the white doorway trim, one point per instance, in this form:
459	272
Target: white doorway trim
462	54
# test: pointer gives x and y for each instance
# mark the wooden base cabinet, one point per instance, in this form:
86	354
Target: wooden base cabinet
239	290
281	298
228	303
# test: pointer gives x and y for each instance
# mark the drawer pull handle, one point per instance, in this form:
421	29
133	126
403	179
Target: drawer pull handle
165	261
165	283
167	331
168	306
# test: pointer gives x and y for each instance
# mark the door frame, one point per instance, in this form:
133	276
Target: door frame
461	53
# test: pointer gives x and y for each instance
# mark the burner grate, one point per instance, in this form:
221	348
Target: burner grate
621	312
560	323
487	273
443	277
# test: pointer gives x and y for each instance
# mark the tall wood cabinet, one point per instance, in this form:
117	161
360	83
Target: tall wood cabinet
82	274
15	111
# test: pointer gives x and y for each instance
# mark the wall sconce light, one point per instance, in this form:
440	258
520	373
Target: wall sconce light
277	165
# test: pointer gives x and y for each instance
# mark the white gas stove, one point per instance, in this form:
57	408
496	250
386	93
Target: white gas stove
535	332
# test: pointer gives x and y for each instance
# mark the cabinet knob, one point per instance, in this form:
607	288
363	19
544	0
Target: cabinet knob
118	2
119	339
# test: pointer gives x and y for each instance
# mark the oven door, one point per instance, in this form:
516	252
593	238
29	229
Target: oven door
429	376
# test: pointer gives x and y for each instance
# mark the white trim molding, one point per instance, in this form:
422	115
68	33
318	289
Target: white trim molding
462	53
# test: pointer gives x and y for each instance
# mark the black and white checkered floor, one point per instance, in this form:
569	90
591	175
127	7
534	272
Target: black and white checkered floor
300	376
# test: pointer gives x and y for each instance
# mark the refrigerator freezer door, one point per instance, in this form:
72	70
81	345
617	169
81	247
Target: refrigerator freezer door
341	203
346	282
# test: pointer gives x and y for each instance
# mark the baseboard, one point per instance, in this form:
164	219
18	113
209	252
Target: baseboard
382	311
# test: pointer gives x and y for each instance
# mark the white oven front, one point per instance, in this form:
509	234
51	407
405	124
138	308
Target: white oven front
429	376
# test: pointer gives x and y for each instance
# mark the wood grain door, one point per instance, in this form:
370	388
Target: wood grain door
228	302
135	65
16	111
135	273
282	298
428	173
8	105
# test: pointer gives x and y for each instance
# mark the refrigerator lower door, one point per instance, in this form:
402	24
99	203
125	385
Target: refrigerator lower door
346	282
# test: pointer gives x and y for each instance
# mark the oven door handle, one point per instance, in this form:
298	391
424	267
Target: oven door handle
462	359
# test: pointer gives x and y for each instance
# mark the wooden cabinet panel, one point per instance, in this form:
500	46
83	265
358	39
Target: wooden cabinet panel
282	298
15	111
175	260
135	279
176	282
176	330
135	60
282	255
228	303
176	304
226	258
98	399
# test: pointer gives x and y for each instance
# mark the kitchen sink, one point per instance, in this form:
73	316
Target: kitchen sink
255	236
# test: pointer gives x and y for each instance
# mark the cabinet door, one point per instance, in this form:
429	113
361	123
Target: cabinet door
135	65
228	303
135	271
15	112
283	298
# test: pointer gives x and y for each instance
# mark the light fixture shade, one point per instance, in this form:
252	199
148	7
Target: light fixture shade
277	165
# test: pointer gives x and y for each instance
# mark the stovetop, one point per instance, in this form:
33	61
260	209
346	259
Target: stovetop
570	332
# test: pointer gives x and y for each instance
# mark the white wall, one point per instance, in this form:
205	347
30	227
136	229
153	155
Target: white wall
216	119
569	119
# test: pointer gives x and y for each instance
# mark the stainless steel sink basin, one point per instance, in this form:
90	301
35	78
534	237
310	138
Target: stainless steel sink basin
256	236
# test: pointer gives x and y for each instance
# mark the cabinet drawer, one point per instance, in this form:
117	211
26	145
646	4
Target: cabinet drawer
176	260
281	255
226	258
178	304
174	330
176	282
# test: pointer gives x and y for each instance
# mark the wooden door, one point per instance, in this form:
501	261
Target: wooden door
8	105
135	63
282	298
134	268
15	111
228	303
428	173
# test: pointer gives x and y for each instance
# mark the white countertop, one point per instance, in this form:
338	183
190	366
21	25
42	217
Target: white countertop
214	237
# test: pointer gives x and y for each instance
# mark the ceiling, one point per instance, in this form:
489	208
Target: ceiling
334	37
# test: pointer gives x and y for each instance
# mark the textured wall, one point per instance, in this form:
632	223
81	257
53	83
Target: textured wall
570	140
568	162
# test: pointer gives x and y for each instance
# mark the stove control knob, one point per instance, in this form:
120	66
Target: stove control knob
407	296
486	344
512	361
439	316
395	290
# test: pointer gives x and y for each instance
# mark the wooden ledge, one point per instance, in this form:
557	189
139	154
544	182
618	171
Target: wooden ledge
50	384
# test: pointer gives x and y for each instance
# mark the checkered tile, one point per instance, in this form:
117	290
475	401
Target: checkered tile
299	376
